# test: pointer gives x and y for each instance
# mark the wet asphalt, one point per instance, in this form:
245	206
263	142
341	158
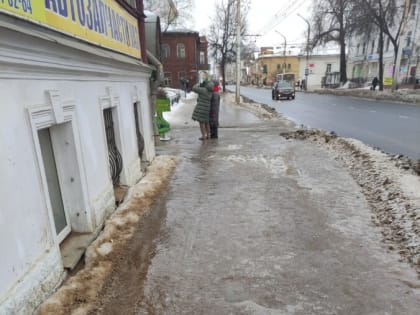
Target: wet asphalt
257	224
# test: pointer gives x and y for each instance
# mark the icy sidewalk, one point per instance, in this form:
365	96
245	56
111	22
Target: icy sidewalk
267	219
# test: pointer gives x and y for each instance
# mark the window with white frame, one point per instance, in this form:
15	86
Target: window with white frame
180	50
166	51
202	58
168	78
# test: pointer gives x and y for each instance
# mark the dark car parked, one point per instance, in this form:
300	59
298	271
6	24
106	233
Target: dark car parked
282	89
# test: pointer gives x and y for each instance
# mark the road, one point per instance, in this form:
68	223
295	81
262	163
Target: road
392	127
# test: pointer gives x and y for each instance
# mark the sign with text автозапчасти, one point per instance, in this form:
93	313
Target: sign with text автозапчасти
101	22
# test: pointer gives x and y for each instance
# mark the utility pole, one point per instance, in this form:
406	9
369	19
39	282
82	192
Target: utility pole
238	52
307	51
399	52
284	50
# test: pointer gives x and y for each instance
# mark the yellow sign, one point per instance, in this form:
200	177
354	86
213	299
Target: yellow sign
387	81
102	22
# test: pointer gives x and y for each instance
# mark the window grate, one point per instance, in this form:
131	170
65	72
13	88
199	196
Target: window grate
115	159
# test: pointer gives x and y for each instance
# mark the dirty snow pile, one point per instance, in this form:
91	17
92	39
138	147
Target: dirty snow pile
402	95
391	185
78	293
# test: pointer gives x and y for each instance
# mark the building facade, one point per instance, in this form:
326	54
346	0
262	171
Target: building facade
321	67
76	123
184	56
322	70
268	65
363	54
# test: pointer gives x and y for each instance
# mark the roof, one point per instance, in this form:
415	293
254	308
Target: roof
181	31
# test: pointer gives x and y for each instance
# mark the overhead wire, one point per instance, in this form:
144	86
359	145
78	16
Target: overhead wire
280	16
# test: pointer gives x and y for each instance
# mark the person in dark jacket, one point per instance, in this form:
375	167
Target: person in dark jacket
201	111
214	111
375	82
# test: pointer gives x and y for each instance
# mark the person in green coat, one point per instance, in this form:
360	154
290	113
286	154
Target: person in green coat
201	111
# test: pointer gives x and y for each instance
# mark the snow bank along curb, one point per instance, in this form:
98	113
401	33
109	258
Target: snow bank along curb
391	185
262	111
79	291
407	96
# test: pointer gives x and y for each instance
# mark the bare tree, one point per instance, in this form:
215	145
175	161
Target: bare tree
173	13
390	17
222	32
334	21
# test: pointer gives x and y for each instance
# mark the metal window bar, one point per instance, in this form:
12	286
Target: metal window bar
115	159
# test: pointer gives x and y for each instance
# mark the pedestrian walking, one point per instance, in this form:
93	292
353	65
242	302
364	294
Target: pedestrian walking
184	86
201	111
214	111
374	83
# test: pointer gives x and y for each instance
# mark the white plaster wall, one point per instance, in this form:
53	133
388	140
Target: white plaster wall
318	71
25	232
28	68
147	130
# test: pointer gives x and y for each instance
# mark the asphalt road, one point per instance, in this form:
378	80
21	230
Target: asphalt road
391	127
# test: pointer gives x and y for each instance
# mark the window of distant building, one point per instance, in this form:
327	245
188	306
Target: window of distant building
180	50
364	49
413	8
409	38
182	75
289	66
166	51
278	67
358	49
202	58
328	68
387	44
372	49
167	79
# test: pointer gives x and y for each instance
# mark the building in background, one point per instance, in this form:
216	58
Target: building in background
363	54
322	64
75	100
323	70
184	56
270	63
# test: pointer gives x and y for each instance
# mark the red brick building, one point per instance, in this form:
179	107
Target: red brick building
184	55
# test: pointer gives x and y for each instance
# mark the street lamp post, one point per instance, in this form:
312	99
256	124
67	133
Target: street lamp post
238	52
307	51
284	50
417	66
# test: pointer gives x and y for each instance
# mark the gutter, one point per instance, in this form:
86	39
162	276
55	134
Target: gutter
155	81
